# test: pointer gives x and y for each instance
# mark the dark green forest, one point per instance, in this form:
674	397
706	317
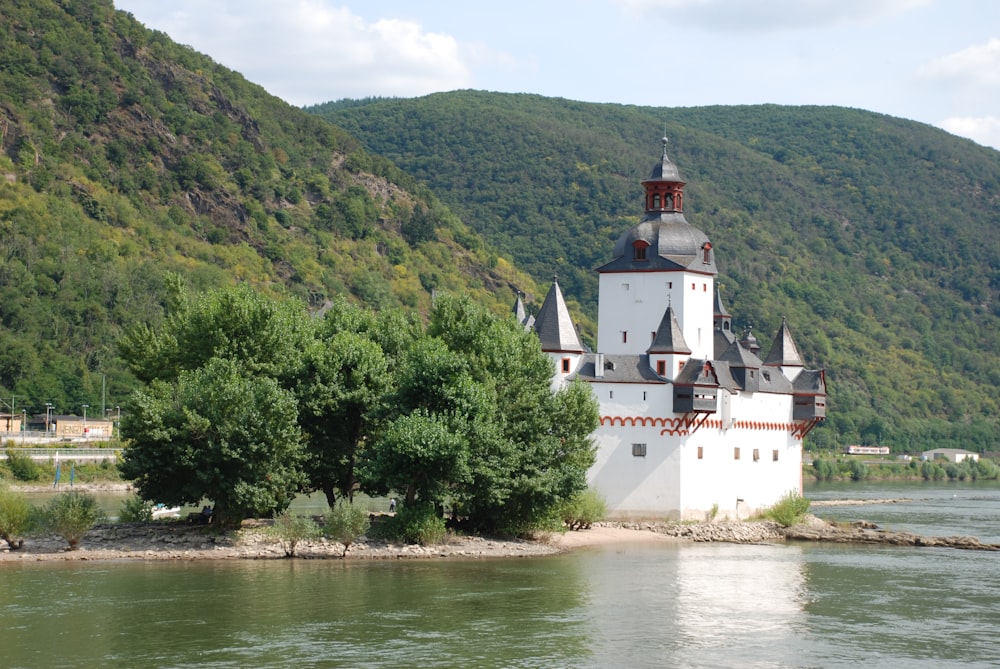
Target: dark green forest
876	237
131	166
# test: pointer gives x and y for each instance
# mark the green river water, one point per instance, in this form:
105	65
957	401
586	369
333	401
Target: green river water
632	605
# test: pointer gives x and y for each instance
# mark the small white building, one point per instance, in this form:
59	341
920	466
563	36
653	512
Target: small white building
693	421
955	455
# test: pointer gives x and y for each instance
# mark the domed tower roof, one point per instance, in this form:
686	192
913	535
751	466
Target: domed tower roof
663	240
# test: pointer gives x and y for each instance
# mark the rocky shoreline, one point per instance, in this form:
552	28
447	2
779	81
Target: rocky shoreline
181	541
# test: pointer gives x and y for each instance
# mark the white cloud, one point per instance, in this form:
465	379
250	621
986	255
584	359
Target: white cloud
984	130
977	65
310	51
748	16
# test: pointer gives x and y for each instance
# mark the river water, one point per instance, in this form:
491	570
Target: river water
632	605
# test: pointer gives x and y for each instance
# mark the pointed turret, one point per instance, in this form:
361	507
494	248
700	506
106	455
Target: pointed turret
669	351
669	338
783	351
521	314
723	331
554	325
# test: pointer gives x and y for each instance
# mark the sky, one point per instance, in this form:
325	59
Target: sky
933	61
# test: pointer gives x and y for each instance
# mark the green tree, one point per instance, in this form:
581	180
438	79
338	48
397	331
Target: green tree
475	420
217	432
341	389
421	454
266	335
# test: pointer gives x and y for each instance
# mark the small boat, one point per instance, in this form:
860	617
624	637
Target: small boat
164	511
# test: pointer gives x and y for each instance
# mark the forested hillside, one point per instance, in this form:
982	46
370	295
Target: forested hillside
877	238
129	163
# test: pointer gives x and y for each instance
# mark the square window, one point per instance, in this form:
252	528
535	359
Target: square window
639	450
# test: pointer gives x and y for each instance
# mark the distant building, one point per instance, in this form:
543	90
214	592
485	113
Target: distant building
10	422
692	419
854	449
72	426
950	454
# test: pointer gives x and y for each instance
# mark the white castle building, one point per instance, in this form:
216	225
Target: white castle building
692	419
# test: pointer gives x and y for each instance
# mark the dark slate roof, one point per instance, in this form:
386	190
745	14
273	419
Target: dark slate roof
723	340
669	338
783	351
522	315
810	382
719	309
738	356
554	326
773	381
674	244
665	170
618	369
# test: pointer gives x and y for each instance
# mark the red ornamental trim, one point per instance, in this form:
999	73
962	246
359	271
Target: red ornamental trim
682	422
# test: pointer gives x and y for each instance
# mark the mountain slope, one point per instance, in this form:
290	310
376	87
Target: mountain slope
126	160
876	237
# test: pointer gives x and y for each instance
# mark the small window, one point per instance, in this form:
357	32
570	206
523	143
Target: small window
701	452
656	201
774	456
756	455
707	248
643	395
624	336
652	336
670	284
639	450
693	287
565	365
639	249
668	202
611	394
661	367
736	453
704	287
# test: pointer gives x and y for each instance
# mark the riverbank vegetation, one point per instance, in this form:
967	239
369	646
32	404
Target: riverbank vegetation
854	468
248	401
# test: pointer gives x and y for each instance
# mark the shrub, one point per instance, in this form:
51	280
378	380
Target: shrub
71	515
290	530
789	510
345	523
22	467
15	518
583	509
415	523
135	509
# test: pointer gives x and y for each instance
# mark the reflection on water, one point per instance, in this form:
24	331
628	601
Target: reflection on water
633	605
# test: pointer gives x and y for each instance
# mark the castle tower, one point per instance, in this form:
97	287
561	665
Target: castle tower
557	334
663	261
